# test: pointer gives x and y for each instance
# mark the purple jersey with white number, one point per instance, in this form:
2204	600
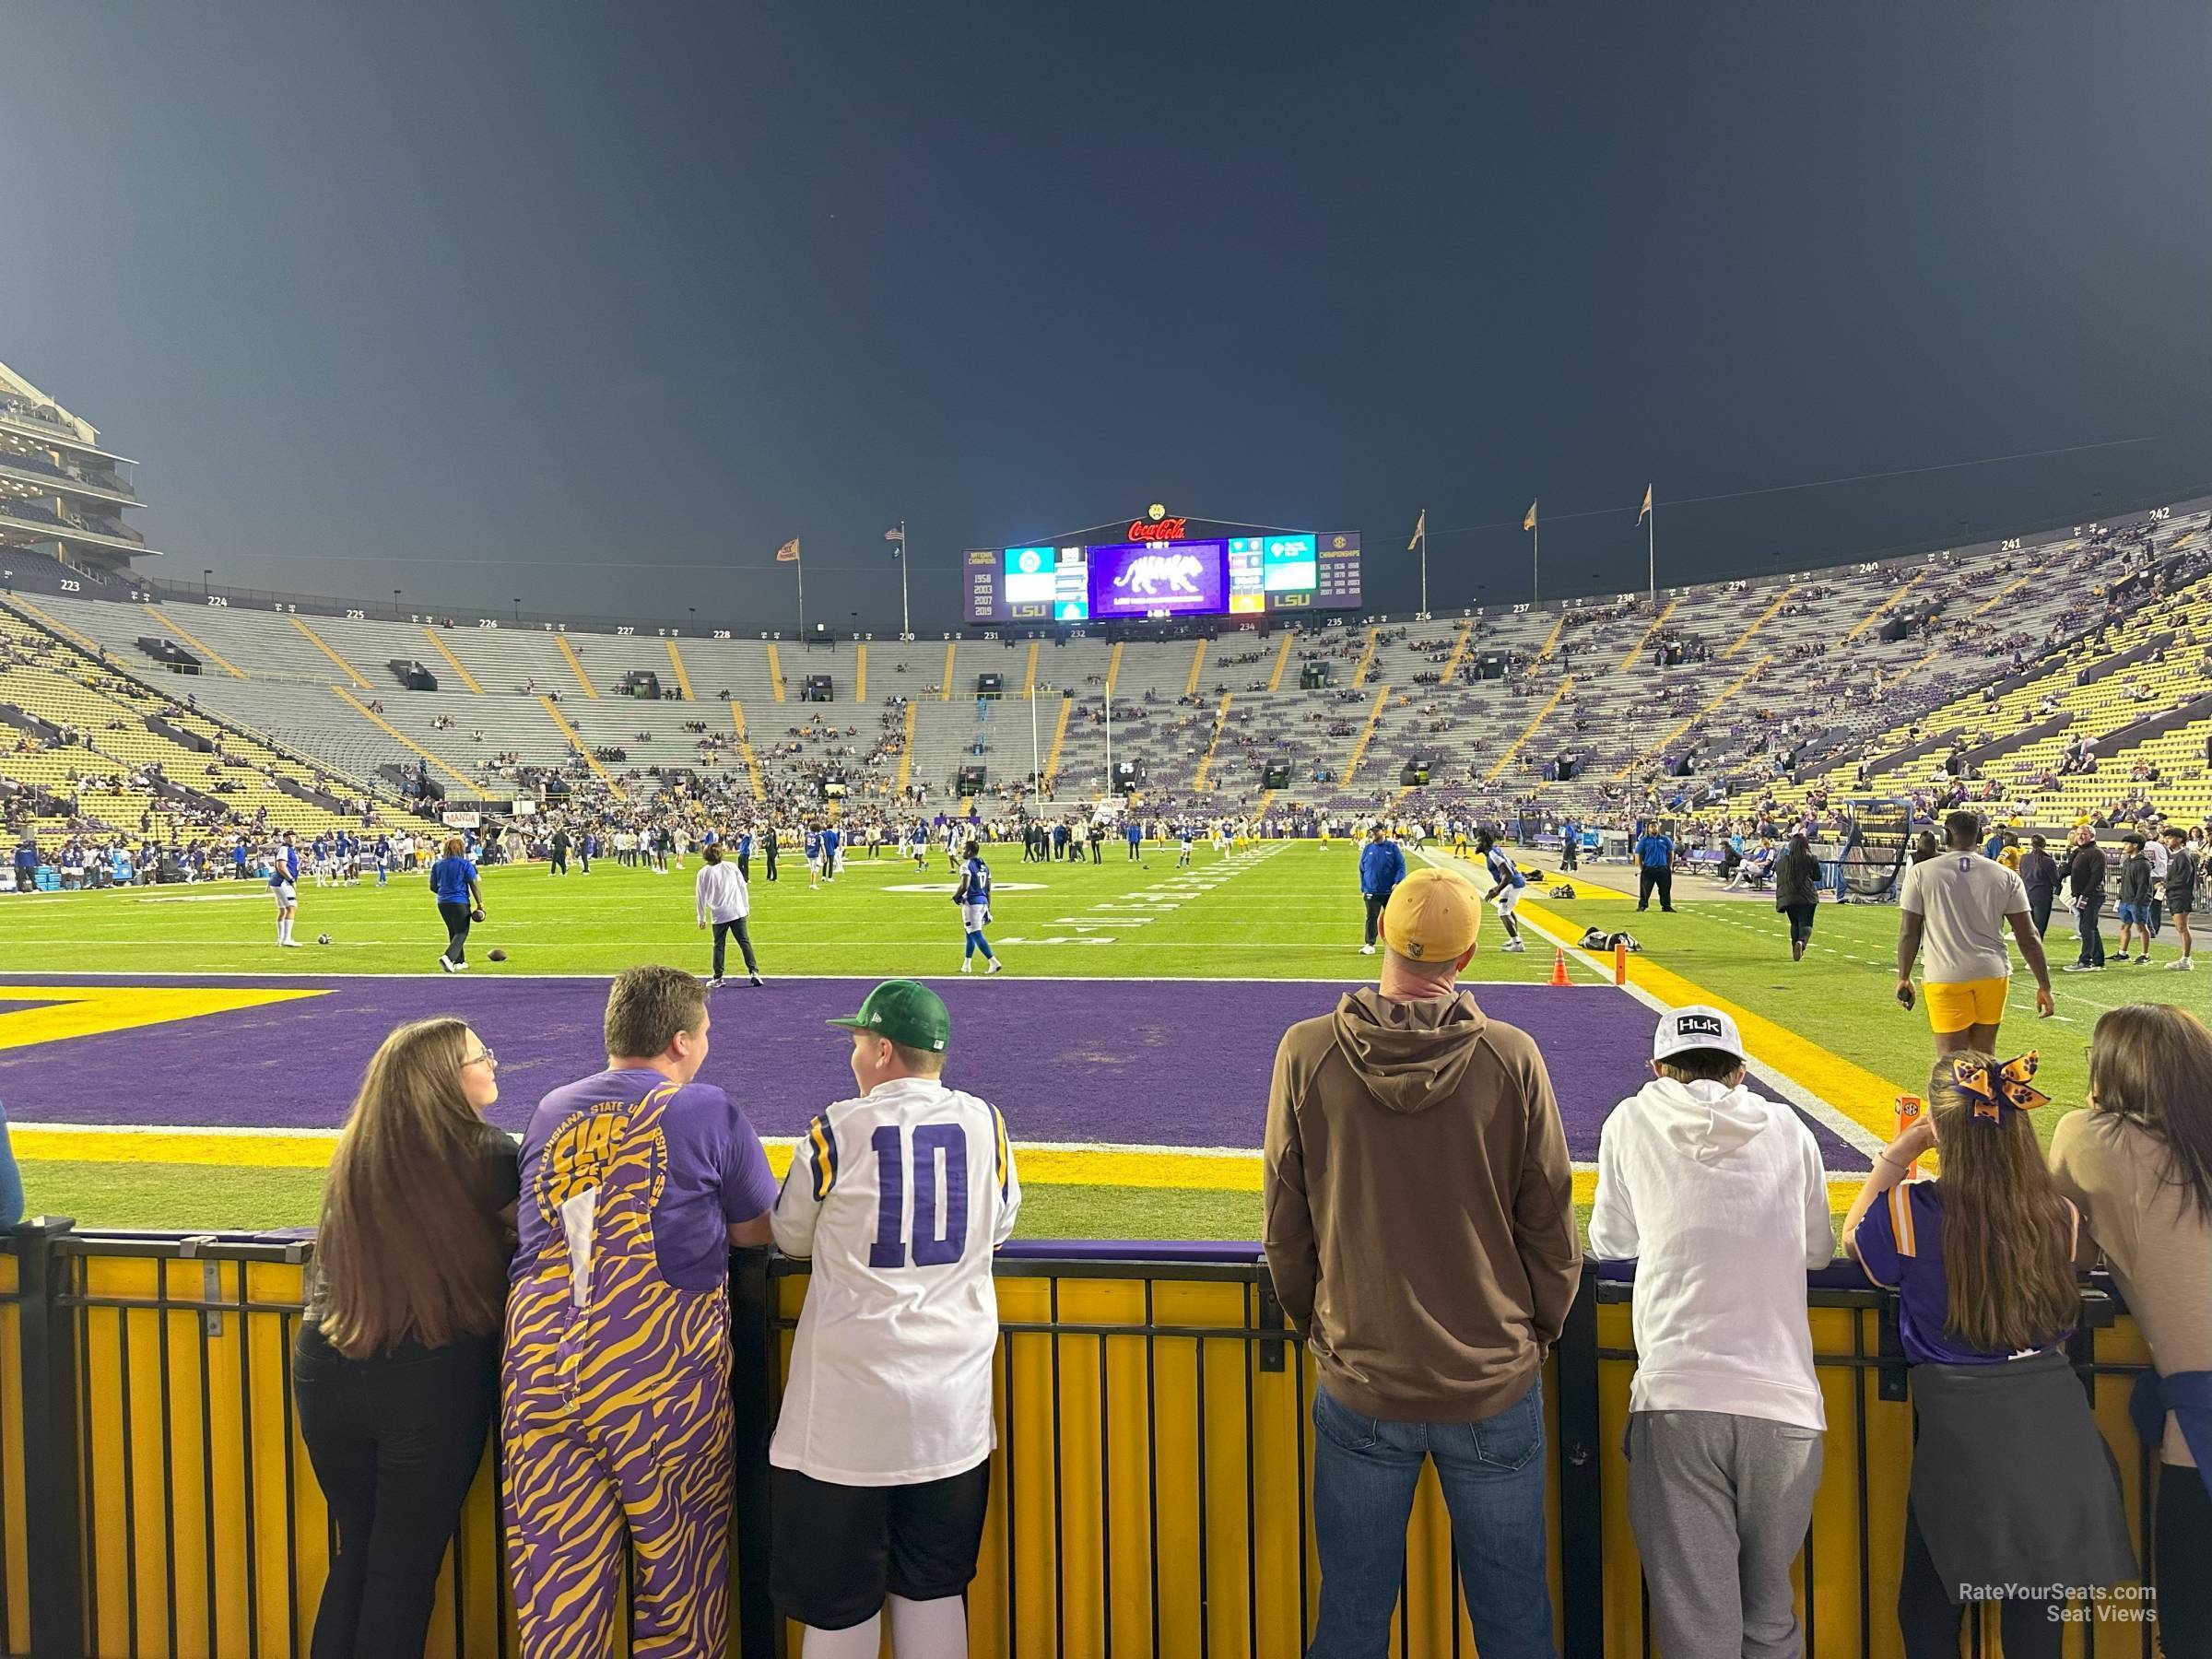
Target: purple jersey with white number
900	1198
708	1169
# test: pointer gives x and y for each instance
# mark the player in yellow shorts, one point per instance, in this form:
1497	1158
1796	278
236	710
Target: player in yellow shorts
1961	1003
1958	905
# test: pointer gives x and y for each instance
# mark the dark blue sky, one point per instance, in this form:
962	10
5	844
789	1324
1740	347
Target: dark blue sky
593	305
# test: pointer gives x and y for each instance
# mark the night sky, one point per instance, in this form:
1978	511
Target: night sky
591	306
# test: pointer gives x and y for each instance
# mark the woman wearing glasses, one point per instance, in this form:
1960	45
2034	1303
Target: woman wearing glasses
398	1360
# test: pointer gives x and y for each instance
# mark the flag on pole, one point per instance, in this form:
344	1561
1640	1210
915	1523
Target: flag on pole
789	552
1420	528
897	533
1530	522
1647	505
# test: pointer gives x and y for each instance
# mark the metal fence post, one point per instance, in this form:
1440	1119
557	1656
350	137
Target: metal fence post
54	1541
753	1393
1582	1496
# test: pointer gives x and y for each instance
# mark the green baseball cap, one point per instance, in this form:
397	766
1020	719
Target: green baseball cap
905	1012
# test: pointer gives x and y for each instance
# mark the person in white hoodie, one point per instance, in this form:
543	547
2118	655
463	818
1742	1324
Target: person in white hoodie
1719	1196
724	899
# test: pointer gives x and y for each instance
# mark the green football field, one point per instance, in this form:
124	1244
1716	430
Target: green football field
1826	1028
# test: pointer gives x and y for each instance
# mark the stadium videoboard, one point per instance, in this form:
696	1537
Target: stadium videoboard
1161	570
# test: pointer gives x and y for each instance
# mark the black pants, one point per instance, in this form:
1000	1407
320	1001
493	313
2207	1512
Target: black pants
1663	880
2092	941
723	930
745	862
2183	1544
1568	853
1375	901
396	1442
561	862
455	917
1098	852
2038	909
1132	846
1801	921
1929	1619
772	864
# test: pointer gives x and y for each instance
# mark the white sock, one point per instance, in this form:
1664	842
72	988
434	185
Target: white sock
928	1629
862	1641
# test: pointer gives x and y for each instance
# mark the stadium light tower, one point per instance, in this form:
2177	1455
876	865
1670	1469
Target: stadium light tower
906	617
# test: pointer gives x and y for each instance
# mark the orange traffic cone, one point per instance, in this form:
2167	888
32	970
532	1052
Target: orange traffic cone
1558	967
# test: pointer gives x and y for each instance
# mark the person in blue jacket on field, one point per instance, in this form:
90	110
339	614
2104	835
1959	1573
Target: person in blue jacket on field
1655	859
1382	867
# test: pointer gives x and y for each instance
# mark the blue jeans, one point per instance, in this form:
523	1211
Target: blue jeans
1493	1477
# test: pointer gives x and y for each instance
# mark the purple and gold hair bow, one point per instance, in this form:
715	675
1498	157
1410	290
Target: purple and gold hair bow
2007	1086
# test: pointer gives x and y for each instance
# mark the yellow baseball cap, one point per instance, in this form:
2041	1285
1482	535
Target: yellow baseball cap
1432	916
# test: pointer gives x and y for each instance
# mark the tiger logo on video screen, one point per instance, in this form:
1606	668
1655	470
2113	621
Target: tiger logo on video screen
1148	572
590	1149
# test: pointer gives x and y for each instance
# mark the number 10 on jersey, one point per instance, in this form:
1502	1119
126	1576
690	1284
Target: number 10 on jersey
940	1164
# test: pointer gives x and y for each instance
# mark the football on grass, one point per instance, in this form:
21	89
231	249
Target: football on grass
322	938
499	956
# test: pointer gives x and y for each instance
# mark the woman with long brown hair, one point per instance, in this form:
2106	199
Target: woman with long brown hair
397	1364
1983	1260
2139	1164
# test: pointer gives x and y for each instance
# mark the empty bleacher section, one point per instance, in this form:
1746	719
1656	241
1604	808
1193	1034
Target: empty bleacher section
93	755
2063	677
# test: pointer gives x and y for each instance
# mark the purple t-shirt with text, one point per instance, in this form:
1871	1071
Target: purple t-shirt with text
715	1171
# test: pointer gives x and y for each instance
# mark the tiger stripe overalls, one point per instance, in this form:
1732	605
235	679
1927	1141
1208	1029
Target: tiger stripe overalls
615	1410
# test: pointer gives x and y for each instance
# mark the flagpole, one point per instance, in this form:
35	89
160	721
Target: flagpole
1424	558
1535	562
1650	547
906	616
1036	766
799	560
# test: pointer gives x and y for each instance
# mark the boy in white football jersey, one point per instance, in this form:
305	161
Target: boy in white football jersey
881	1460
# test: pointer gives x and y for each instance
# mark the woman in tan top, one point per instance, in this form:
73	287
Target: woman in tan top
2138	1162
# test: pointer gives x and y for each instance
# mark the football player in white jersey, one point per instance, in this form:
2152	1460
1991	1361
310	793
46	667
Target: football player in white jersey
881	1460
284	889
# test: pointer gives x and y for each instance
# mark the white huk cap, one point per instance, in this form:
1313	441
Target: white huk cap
1696	1027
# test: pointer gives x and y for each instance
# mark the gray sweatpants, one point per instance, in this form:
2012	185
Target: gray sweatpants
1719	1505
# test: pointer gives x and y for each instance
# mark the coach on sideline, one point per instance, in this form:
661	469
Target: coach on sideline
1420	1231
1382	867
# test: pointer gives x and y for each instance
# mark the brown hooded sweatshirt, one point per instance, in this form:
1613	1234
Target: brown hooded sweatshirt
1419	1206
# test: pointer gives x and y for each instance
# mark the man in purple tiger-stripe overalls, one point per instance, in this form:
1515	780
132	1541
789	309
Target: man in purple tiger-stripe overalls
615	1417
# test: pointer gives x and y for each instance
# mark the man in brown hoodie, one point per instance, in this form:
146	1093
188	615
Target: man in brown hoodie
1420	1232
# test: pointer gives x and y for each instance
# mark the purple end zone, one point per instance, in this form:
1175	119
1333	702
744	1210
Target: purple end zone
1176	1063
